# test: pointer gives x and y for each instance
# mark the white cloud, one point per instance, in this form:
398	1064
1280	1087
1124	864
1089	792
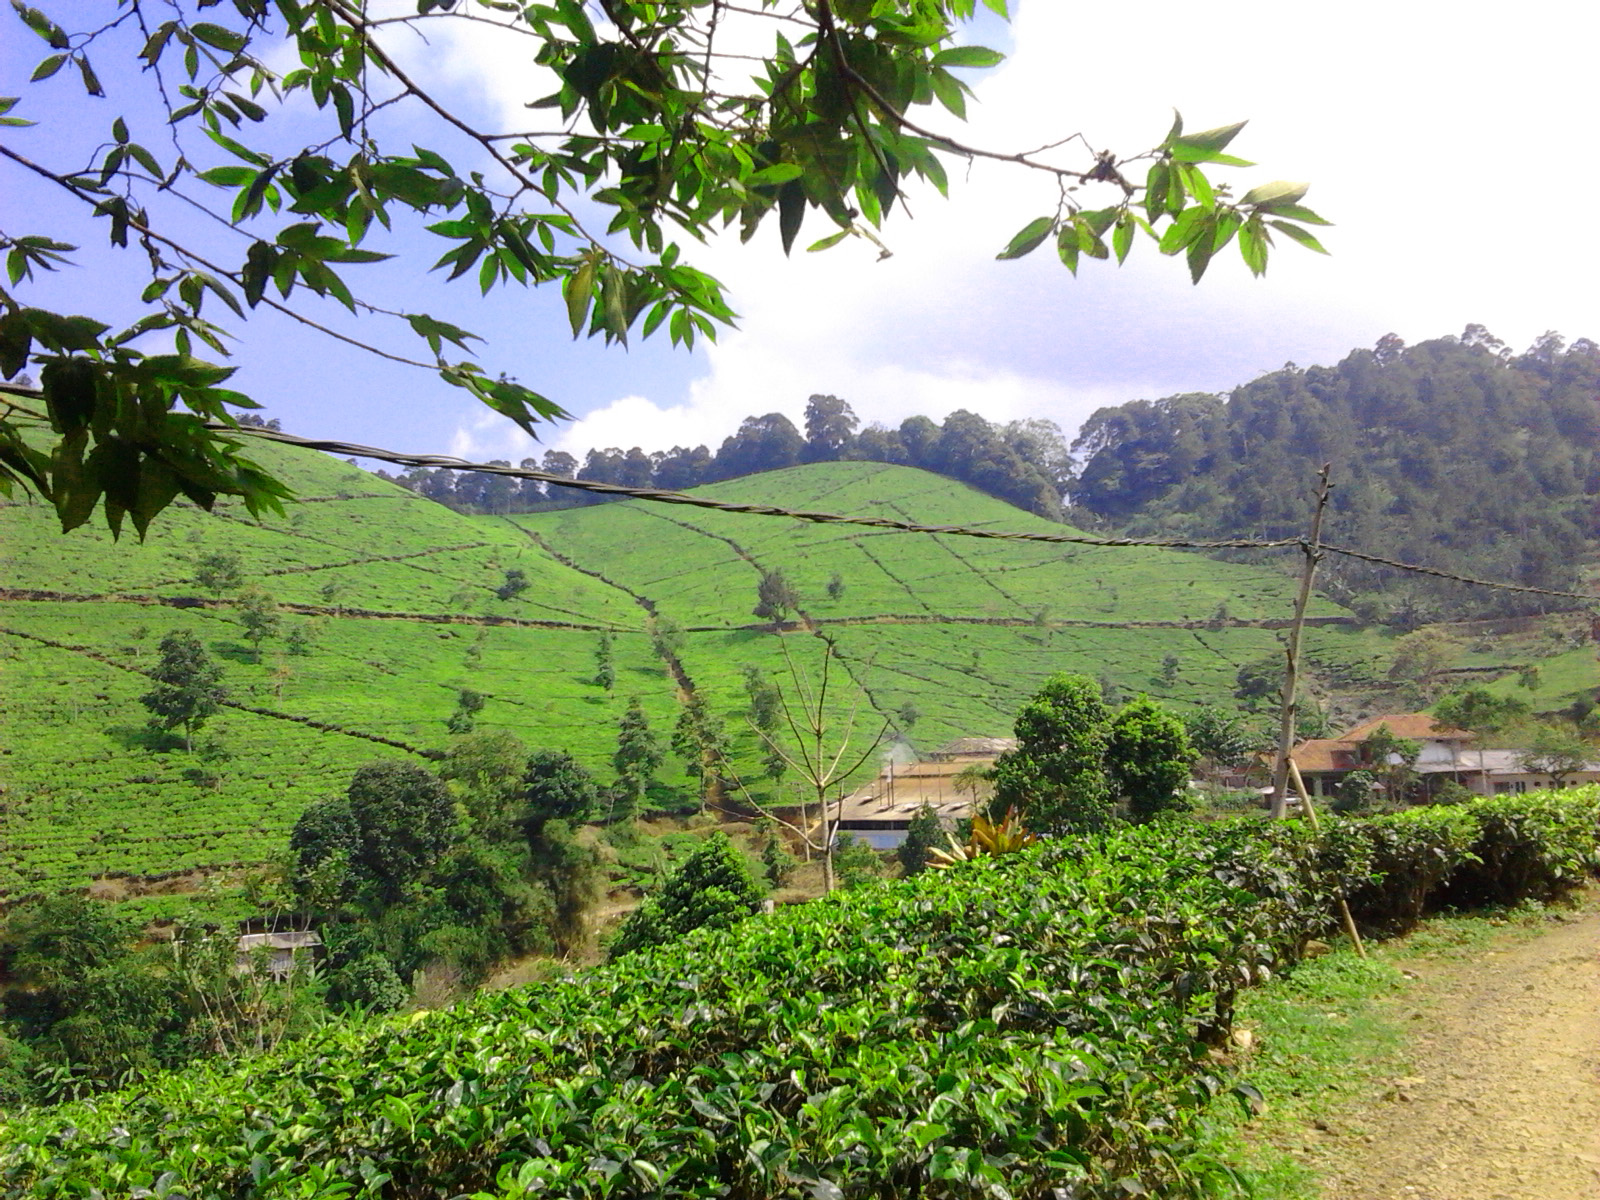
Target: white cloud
1442	139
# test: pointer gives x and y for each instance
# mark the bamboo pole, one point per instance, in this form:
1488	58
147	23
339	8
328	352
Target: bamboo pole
1316	827
1312	549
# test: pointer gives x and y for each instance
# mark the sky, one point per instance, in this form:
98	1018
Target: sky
1445	141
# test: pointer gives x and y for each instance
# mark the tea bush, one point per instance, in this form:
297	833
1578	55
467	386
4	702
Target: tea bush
1015	1025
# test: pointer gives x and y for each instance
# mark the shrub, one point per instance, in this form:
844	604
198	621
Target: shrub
712	890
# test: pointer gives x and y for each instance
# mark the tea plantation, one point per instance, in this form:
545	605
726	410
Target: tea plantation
1020	1027
397	603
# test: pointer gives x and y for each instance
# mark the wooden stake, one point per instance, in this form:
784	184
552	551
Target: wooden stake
1312	548
1316	827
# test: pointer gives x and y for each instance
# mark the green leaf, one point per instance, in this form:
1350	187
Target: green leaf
48	67
91	81
1068	248
775	174
1028	238
1274	194
218	37
833	239
1122	238
791	212
1210	139
578	290
1295	212
968	56
1303	236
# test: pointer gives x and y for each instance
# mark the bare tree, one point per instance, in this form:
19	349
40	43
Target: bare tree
818	749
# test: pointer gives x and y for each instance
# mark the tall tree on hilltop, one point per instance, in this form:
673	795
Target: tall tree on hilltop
830	429
188	689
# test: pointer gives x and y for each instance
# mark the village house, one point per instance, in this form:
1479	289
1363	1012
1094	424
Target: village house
1447	754
880	812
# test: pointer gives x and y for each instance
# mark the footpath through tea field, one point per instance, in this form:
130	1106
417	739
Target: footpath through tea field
1503	1097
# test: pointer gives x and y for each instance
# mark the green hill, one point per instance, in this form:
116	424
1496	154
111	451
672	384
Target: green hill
397	600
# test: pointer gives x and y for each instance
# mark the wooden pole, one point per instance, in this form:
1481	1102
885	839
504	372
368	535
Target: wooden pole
1312	548
1316	827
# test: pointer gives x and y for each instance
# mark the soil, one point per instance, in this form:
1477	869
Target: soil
1503	1097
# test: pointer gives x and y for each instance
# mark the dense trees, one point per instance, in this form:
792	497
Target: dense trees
1025	462
1075	758
1452	453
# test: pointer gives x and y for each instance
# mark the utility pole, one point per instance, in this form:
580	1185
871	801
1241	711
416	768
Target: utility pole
1312	549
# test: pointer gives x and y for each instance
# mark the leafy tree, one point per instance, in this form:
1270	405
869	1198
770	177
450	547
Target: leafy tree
1259	680
605	669
188	689
218	572
468	705
1392	760
855	862
1556	752
407	820
1355	792
828	121
835	586
700	740
922	835
488	768
637	758
1056	777
830	430
1220	739
1479	711
1168	675
298	643
556	786
1148	758
258	613
775	597
776	860
516	579
369	984
326	832
1420	656
571	872
713	889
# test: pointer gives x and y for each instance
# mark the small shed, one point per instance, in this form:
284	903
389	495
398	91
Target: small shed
281	951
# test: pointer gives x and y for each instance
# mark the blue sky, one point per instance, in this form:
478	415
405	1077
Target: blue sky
1447	141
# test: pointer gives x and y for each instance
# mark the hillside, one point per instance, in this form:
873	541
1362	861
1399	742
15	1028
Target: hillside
396	598
1454	453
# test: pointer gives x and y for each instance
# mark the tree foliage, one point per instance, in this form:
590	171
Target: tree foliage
713	889
775	596
923	834
1148	758
272	116
637	758
406	818
1056	777
188	689
556	786
1454	453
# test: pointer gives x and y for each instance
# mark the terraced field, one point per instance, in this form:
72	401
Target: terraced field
395	598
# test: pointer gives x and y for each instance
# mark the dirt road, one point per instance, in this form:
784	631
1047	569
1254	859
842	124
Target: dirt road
1503	1098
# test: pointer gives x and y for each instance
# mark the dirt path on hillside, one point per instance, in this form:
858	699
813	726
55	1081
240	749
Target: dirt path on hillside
1503	1099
